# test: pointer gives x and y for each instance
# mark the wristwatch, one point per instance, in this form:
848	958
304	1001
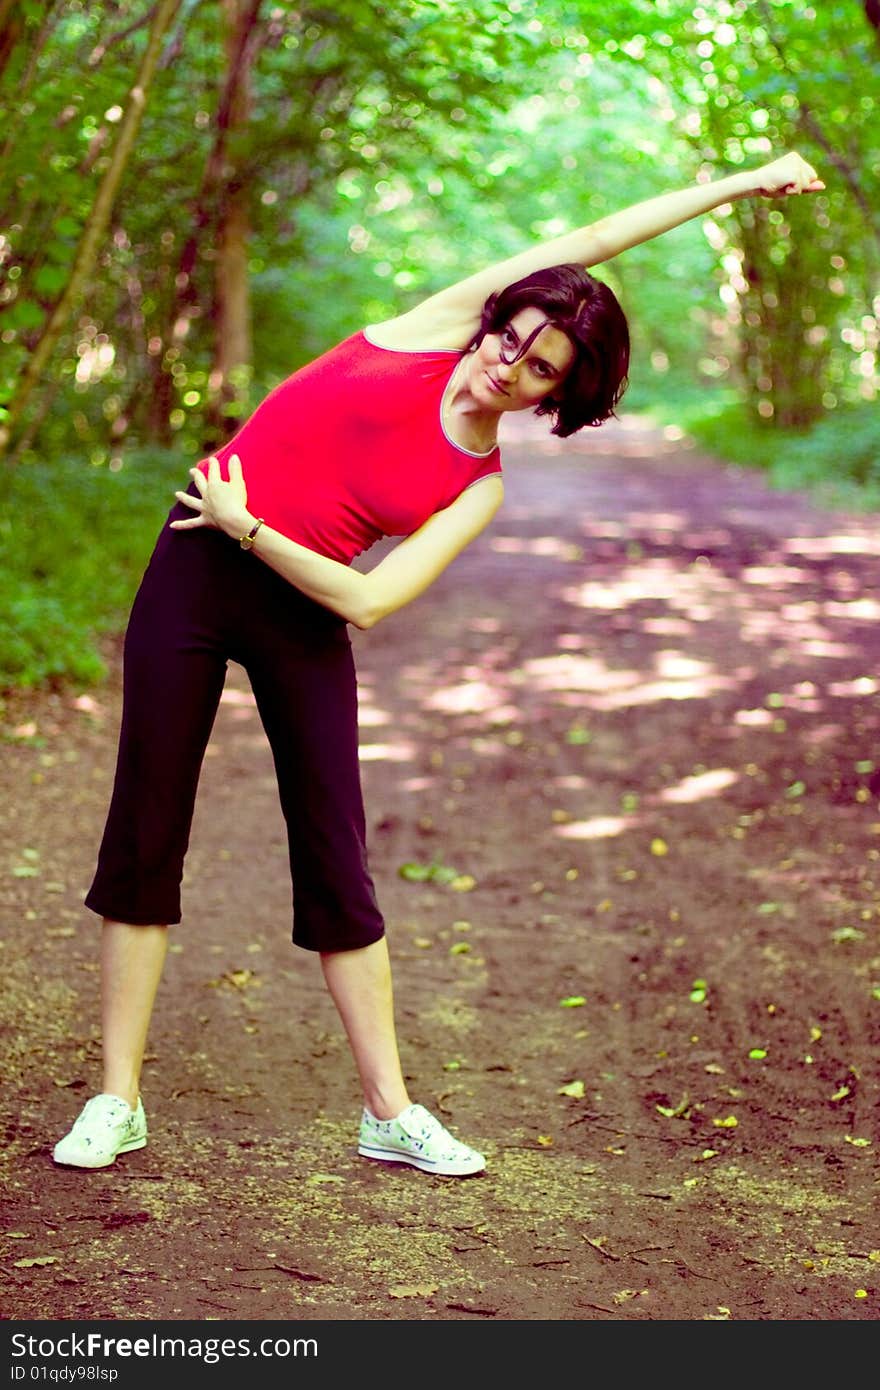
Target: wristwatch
247	541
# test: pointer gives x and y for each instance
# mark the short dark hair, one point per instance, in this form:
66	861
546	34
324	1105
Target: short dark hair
588	312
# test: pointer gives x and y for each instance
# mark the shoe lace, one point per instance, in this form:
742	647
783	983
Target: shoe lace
115	1112
428	1128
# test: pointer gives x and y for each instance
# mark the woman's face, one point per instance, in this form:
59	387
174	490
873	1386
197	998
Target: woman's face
517	366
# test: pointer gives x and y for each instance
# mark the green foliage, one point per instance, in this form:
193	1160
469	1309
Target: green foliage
374	169
335	93
74	540
796	327
837	460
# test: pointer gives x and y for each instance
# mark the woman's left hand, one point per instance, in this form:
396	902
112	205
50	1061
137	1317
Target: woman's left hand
220	504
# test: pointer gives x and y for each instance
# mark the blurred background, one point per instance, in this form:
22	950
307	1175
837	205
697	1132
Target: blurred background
196	198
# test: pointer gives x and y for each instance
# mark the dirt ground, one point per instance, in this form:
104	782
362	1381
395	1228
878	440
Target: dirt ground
628	746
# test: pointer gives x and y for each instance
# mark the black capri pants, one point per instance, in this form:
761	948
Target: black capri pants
202	602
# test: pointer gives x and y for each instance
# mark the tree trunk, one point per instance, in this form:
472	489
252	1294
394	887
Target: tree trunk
207	239
782	365
231	309
11	25
93	232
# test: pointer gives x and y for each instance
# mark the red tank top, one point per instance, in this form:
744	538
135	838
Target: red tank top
352	448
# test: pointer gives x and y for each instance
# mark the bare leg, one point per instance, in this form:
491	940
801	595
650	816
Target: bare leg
131	967
360	986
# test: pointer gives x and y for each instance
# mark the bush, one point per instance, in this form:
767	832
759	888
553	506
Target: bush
837	461
74	541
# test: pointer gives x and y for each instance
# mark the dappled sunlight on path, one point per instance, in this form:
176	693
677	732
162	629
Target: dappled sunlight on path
635	597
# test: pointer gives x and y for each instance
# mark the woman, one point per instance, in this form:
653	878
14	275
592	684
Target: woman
393	432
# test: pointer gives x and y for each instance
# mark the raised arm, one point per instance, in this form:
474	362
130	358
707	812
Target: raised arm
450	318
361	598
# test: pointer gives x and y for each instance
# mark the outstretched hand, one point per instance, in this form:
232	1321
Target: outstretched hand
788	174
220	504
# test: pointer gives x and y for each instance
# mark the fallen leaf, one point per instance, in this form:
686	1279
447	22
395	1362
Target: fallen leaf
444	873
575	1089
545	1141
319	1179
577	734
659	847
674	1112
36	1260
460	948
729	1122
240	978
415	873
573	1001
463	883
412	1291
847	934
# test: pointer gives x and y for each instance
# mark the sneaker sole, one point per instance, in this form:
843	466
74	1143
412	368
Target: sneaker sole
124	1149
426	1166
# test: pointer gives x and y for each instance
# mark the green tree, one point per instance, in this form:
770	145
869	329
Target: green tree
74	282
256	113
797	322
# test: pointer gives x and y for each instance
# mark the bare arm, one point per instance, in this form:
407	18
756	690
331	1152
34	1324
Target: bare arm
362	599
450	318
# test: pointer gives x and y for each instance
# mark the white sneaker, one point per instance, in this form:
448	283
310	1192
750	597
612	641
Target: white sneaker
415	1136
105	1127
